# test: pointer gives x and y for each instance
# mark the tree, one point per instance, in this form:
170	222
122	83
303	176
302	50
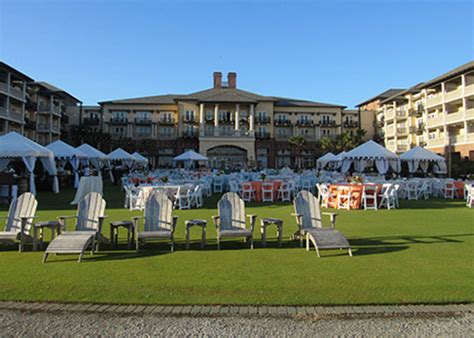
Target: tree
298	143
327	144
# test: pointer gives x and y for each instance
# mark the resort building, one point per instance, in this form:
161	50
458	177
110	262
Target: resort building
437	114
34	109
233	127
12	99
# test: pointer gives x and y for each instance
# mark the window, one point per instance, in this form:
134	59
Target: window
262	114
209	115
119	115
189	114
143	115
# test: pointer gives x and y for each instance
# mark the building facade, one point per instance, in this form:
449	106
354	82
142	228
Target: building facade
232	127
437	114
34	109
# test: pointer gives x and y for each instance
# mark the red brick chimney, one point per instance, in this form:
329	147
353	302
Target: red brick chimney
217	80
232	80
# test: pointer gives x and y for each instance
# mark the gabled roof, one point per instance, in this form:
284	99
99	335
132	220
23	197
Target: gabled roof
453	73
288	102
15	71
226	95
49	88
386	94
157	99
400	95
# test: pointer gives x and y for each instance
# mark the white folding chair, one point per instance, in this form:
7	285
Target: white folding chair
344	197
449	190
411	190
267	192
248	194
284	193
218	185
369	197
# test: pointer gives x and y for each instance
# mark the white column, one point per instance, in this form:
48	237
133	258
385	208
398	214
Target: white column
216	120
237	119
251	119
201	119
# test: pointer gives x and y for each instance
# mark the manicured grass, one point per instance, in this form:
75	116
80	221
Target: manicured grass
422	253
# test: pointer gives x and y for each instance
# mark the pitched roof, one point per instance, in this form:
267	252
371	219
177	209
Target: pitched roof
453	73
226	95
400	95
157	99
288	102
386	94
48	87
15	71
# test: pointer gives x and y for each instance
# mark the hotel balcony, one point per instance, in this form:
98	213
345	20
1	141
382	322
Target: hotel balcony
351	124
262	120
282	123
402	147
209	119
11	115
437	142
469	90
434	100
30	125
305	123
416	112
461	138
226	121
435	121
454	117
118	120
390	115
390	131
12	91
422	143
142	135
469	113
47	128
91	121
402	131
328	124
190	120
401	114
453	95
143	120
48	109
166	121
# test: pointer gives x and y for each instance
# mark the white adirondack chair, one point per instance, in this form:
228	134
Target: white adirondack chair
88	230
231	221
309	220
159	223
19	220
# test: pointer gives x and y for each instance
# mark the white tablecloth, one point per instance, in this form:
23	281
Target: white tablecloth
86	185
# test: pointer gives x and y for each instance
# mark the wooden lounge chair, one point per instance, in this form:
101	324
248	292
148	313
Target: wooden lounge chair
19	220
308	218
89	220
231	220
159	223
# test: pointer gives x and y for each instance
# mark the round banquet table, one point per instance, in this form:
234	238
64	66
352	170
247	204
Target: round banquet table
257	187
356	194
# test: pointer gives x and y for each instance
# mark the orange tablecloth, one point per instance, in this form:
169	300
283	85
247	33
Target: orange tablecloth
356	194
459	185
257	187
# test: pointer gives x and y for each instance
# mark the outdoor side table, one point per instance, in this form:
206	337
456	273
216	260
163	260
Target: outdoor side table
264	223
196	222
114	226
55	227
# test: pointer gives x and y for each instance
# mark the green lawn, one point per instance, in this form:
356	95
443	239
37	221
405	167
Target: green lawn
422	253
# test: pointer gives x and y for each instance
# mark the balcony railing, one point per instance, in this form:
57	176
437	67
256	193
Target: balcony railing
189	119
47	128
351	124
327	124
142	135
402	147
262	135
263	119
13	91
422	143
282	123
11	114
225	121
166	121
401	131
304	123
142	120
91	121
118	120
47	108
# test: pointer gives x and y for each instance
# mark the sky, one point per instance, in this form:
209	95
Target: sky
341	52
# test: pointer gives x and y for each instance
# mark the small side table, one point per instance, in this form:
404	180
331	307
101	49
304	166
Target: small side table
264	223
196	222
55	227
114	226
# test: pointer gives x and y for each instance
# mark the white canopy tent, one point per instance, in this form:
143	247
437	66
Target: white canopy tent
121	155
370	153
140	159
419	157
14	145
64	152
340	156
325	160
97	158
189	157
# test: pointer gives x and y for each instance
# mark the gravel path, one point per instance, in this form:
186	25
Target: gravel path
27	323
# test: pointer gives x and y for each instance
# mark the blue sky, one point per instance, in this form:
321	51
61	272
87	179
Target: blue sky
336	51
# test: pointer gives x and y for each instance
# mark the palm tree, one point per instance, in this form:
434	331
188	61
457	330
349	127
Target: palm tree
327	144
299	143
